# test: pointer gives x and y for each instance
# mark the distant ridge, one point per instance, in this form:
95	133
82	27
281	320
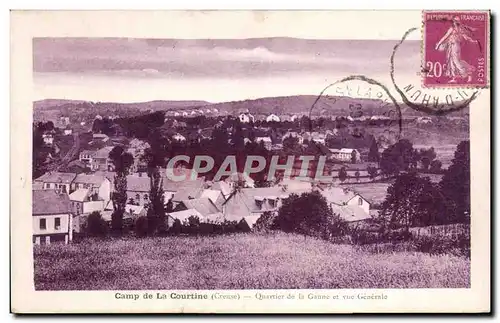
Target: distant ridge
297	104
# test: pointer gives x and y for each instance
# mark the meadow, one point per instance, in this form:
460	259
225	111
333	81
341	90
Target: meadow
239	261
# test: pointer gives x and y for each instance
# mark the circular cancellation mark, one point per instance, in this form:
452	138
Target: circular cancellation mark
434	101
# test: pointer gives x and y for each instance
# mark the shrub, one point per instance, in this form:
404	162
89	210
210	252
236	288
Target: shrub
141	226
96	226
265	222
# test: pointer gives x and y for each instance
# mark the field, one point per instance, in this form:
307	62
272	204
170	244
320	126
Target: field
242	261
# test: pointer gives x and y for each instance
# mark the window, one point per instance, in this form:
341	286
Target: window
145	197
137	197
57	223
43	224
360	201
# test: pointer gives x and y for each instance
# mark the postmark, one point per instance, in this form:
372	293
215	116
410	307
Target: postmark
358	102
455	49
432	100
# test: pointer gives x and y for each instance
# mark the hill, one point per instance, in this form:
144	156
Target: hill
297	104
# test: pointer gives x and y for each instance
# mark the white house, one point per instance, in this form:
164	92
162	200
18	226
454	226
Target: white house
48	138
178	137
98	185
68	131
246	118
272	118
350	205
346	154
266	140
52	218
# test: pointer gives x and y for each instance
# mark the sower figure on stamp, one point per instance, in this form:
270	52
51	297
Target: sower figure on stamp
450	42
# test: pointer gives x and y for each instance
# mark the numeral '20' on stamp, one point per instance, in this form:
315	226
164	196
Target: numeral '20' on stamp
455	49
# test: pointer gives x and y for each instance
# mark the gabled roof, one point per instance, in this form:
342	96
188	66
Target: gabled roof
203	205
56	177
189	189
185	214
93	179
50	202
138	183
223	187
338	195
350	213
248	201
103	152
80	195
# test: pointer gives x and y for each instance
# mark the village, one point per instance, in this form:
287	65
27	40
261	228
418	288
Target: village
82	181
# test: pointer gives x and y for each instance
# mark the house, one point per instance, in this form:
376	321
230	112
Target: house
86	157
346	154
272	118
83	202
246	118
68	131
97	185
351	206
52	217
202	205
423	120
61	182
182	216
48	138
101	160
239	178
250	203
293	134
267	141
216	196
100	137
138	189
77	167
178	137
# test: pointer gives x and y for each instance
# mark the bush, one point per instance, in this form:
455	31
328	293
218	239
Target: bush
441	244
265	222
141	226
96	226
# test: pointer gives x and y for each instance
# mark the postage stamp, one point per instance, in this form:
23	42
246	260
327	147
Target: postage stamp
455	49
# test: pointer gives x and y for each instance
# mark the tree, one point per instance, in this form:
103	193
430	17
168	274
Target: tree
141	226
96	226
354	157
356	174
373	154
342	174
122	162
308	214
397	158
291	143
426	157
265	222
436	166
372	171
411	201
455	185
156	210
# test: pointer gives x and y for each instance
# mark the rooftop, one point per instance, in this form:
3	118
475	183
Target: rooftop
50	202
56	177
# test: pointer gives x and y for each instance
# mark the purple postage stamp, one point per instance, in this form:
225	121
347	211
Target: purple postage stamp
455	52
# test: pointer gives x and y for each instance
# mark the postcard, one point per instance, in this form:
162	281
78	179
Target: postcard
250	161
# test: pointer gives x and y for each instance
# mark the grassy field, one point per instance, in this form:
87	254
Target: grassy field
242	261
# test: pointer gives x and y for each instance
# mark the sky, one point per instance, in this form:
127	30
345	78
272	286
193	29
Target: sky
137	70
